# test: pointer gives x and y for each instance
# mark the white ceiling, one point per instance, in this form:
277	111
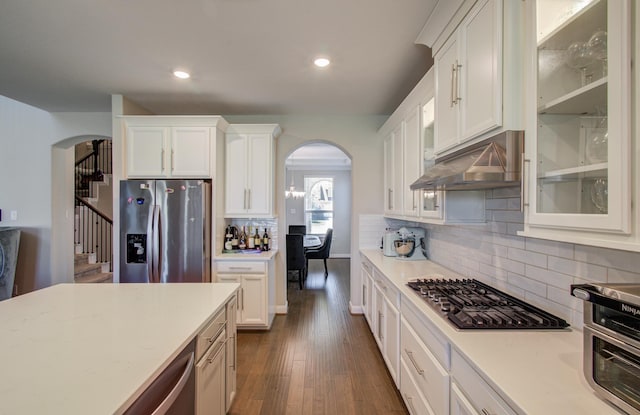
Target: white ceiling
245	56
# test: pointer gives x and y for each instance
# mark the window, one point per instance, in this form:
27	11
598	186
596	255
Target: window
318	204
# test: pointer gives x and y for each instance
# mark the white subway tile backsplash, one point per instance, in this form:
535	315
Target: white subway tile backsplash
508	264
514	228
619	276
559	249
580	269
513	216
496	204
548	277
528	257
623	260
528	285
506	192
513	203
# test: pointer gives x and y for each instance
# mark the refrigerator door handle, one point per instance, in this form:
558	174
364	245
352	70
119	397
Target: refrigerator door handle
150	246
155	277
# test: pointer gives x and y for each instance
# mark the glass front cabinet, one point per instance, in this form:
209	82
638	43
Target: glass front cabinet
430	199
578	139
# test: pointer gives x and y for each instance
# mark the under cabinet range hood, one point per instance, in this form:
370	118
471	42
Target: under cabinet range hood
494	162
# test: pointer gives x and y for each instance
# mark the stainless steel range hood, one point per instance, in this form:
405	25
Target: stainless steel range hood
494	162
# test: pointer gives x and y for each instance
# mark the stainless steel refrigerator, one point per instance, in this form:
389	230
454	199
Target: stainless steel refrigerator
165	231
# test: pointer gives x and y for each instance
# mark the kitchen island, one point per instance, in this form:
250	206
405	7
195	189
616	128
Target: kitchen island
531	372
94	348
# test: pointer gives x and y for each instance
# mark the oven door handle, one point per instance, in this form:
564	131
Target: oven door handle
589	293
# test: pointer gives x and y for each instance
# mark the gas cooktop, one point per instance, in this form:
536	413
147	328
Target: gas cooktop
471	304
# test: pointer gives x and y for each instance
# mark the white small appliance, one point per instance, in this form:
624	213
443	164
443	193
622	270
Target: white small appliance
388	247
410	245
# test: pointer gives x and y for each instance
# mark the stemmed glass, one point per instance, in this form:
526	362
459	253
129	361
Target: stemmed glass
600	195
579	57
597	45
598	139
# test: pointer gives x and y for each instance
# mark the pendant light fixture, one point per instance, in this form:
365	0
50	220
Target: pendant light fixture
291	193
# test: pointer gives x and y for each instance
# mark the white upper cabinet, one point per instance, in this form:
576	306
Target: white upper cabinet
430	199
171	147
578	139
478	75
249	170
412	159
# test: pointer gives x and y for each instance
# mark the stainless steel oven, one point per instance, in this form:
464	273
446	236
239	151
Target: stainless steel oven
612	341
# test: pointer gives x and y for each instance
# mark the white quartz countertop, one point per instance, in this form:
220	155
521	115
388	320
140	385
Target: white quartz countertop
93	348
247	256
535	372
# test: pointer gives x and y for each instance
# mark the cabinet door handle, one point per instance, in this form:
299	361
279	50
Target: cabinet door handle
485	412
456	96
452	100
410	403
162	159
244	201
364	295
380	317
523	192
172	167
249	199
414	200
217	351
413	362
242	296
390	198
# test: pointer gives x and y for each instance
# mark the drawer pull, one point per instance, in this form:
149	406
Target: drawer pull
485	412
410	403
414	363
242	268
217	351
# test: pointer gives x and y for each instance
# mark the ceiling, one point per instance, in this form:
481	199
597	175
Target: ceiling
318	155
245	56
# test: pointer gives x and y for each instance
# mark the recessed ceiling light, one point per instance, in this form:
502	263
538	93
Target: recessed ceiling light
181	74
321	62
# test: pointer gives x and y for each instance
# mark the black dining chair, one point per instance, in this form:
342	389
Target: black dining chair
321	252
296	259
298	229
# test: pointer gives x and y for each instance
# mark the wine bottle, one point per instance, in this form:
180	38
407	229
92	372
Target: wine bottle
257	239
234	240
228	236
265	240
242	240
250	240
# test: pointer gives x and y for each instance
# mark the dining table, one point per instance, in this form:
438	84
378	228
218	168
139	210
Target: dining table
311	241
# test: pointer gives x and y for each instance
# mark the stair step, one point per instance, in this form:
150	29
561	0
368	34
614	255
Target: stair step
103	277
83	258
86	269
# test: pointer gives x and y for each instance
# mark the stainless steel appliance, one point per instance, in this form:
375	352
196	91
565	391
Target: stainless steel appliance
611	361
165	232
471	304
173	392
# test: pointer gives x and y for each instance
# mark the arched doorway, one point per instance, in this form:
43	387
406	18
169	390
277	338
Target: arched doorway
63	181
318	193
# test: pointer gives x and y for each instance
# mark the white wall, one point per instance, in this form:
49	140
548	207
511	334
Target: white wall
356	136
341	241
30	182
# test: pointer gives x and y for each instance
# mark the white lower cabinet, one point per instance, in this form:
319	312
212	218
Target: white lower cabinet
411	395
232	353
367	292
215	346
473	395
386	328
256	297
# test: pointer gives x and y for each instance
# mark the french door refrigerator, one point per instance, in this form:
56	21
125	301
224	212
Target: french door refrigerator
165	232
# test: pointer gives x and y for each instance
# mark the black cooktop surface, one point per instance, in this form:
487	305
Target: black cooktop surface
471	304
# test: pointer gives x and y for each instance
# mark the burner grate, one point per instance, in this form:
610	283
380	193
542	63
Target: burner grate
471	304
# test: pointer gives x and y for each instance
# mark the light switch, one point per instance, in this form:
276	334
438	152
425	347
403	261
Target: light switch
14	215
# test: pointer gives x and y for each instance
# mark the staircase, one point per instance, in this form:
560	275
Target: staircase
93	215
86	270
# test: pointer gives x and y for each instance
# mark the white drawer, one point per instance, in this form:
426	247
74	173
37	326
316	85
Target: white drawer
387	288
209	334
482	396
428	374
412	398
242	267
435	341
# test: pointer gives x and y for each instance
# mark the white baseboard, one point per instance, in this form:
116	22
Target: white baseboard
282	309
355	309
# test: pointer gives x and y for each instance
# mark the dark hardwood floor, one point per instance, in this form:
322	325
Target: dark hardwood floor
317	359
